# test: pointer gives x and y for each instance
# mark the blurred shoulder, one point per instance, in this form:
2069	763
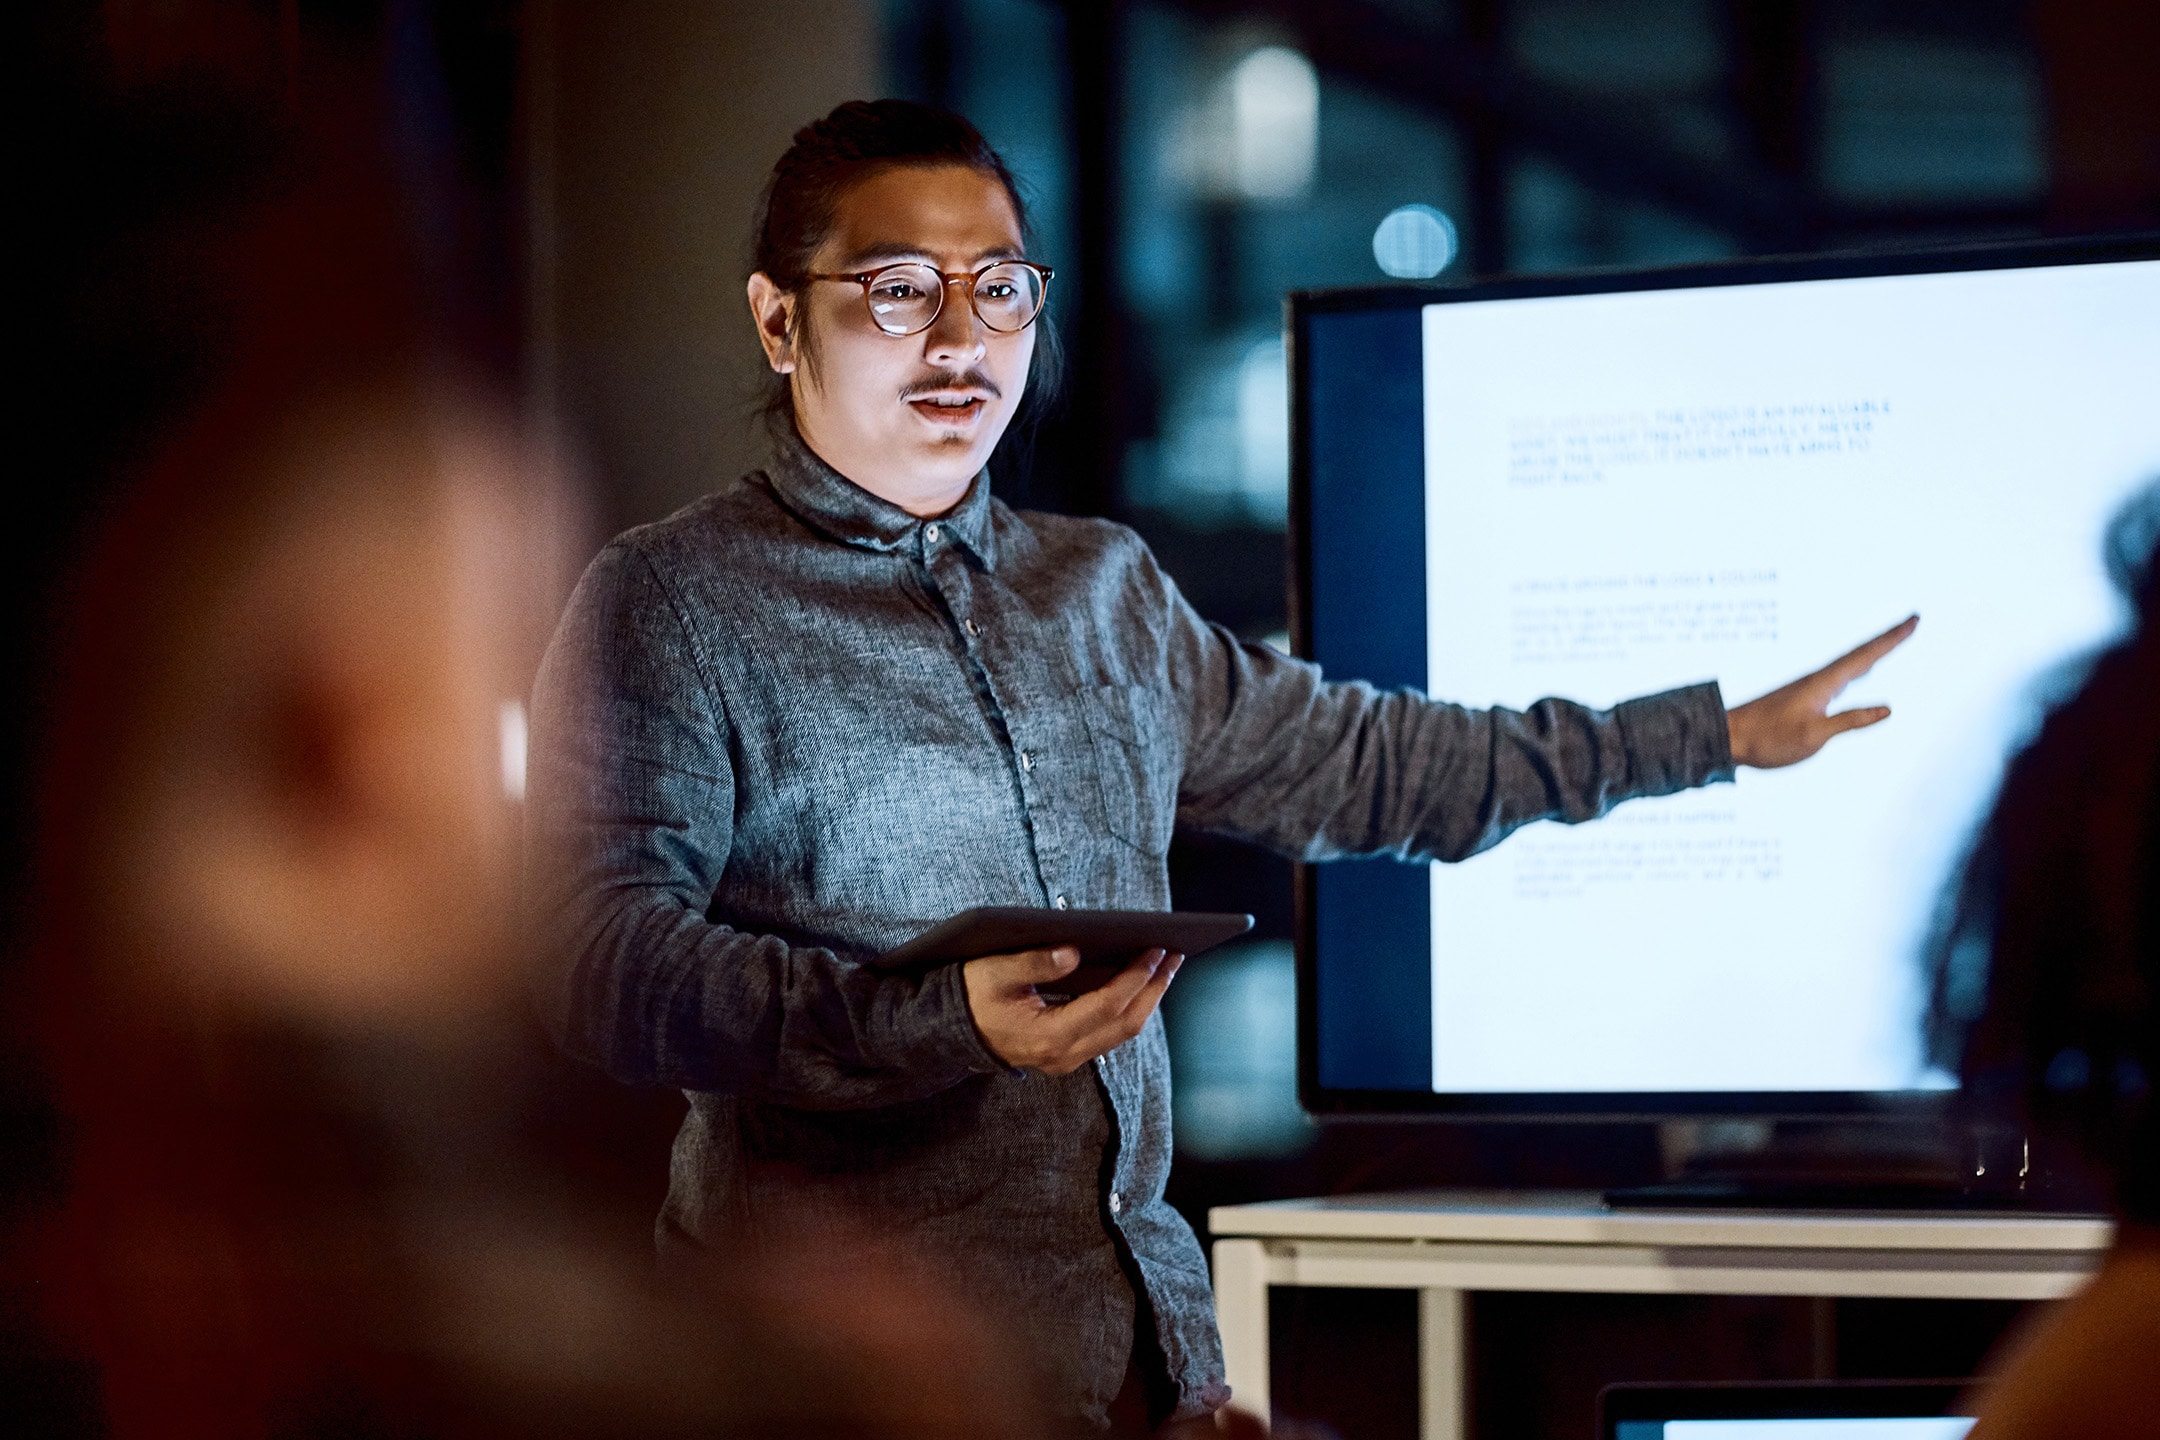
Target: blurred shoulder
2091	1366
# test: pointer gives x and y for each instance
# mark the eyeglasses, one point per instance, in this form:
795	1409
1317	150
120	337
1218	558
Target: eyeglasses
906	299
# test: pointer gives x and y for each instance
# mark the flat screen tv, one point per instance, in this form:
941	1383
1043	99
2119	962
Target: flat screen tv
1604	485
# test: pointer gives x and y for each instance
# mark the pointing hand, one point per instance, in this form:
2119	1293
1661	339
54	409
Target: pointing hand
1794	721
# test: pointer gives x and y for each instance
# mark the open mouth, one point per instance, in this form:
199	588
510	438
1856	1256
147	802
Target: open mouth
948	407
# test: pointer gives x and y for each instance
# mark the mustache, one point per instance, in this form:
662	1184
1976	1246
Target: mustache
952	380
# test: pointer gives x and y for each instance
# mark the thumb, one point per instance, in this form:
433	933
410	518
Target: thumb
1858	719
1033	967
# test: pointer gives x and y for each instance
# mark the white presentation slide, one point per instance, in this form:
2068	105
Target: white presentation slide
1630	492
1943	1427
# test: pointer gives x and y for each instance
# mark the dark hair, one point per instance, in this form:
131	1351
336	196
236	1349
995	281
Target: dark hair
2046	972
859	139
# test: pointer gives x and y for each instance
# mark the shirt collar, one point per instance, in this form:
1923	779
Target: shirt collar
837	507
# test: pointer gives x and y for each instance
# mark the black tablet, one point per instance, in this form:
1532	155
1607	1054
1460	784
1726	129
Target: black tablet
1107	939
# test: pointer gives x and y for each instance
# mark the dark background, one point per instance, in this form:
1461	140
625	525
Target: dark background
585	170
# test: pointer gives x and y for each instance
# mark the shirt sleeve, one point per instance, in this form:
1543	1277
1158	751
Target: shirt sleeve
629	821
1280	757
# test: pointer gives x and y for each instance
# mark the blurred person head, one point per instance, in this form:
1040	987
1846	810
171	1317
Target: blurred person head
2046	996
911	417
276	856
273	784
2046	987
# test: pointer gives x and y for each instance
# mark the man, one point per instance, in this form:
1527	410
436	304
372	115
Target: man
793	724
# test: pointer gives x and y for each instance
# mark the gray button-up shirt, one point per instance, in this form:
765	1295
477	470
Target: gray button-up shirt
792	725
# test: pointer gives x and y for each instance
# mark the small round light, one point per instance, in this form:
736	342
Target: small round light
1414	242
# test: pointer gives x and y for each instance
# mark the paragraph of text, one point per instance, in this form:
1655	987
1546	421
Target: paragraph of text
1589	449
1570	867
1608	618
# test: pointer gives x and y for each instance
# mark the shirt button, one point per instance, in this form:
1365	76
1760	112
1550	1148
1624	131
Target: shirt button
931	533
1117	1203
1059	902
970	627
1027	760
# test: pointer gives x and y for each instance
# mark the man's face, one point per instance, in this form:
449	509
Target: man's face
909	418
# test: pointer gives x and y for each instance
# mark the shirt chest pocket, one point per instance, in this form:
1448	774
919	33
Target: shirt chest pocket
1136	764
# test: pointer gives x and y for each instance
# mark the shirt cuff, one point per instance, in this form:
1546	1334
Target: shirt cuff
1677	740
949	1032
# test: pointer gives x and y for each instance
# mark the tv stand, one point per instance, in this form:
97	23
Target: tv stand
1445	1245
1821	1166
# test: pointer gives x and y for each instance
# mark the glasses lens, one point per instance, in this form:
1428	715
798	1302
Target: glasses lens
1008	296
904	298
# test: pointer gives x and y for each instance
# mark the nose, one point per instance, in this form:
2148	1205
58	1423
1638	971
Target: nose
956	338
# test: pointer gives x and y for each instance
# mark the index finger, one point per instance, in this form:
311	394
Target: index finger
1858	661
1106	1001
1127	1021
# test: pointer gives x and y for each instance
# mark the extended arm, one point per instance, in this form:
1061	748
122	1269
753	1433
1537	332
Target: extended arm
629	827
1277	756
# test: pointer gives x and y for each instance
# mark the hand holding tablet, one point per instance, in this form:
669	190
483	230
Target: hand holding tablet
1052	989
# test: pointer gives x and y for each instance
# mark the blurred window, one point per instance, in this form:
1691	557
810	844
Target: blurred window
1247	174
1555	222
1930	118
1232	1021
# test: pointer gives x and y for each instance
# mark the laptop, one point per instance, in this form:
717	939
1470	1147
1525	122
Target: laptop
1821	1410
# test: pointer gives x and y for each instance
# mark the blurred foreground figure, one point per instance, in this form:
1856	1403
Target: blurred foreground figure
271	983
2059	930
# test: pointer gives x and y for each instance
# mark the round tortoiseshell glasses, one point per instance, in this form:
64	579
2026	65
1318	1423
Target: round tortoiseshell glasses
906	299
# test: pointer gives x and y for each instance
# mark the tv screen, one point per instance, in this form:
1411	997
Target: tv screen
1603	486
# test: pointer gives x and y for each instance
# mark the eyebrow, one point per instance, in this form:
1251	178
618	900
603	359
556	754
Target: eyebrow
870	257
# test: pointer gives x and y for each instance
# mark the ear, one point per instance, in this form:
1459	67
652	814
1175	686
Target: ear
773	311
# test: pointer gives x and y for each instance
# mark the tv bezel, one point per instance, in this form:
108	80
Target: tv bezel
1616	1106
